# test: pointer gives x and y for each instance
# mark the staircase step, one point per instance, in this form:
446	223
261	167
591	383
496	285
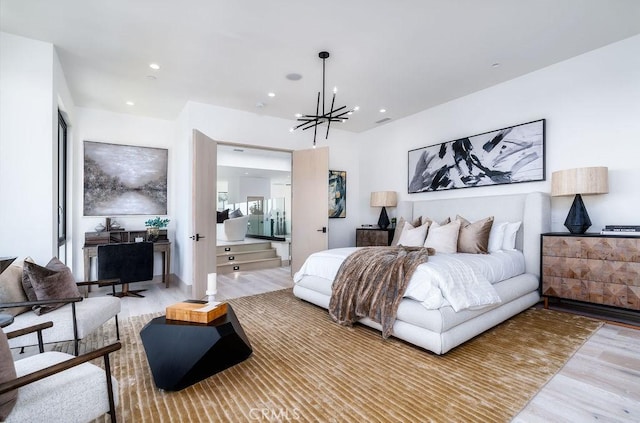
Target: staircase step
239	266
234	248
246	255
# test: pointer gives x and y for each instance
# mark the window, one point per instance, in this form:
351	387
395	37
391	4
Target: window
62	181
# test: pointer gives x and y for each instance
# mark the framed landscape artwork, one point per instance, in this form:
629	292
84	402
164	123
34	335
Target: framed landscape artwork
504	156
124	180
337	193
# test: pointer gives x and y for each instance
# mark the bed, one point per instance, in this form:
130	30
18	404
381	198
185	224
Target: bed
441	329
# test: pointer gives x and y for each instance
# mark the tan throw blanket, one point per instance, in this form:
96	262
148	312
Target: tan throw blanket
371	283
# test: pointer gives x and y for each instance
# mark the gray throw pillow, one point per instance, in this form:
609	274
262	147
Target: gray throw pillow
11	290
53	282
235	213
7	373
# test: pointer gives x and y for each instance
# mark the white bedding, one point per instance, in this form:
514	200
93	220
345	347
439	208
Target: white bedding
463	281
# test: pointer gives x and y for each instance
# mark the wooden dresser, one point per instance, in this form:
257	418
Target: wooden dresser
591	268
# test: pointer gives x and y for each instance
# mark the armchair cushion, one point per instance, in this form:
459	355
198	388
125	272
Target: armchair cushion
91	314
7	373
77	394
11	290
53	282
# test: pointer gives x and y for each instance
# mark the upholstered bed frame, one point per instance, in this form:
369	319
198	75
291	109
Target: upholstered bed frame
443	329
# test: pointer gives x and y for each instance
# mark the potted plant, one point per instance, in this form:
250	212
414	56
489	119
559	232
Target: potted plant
154	226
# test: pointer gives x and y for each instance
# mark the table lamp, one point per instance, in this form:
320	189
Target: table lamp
384	199
580	181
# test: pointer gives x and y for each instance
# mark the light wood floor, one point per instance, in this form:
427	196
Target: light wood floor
601	382
233	285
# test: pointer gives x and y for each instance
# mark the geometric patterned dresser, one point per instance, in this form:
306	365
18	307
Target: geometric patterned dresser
593	268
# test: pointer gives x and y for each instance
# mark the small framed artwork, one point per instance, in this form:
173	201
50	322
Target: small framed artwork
337	193
503	156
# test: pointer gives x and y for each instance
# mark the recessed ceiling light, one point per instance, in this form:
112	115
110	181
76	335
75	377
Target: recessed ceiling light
130	103
383	110
495	65
271	94
154	66
294	77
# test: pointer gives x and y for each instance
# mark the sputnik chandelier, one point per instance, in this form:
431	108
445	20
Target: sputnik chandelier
339	114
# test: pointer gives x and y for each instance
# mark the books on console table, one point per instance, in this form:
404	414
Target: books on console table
196	311
619	233
622	228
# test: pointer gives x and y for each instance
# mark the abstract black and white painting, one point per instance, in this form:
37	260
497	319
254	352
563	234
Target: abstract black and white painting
337	193
504	156
124	180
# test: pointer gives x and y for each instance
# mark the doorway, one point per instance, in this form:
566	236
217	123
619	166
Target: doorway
255	182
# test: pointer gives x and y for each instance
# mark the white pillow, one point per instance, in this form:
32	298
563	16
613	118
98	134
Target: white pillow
510	231
413	237
443	238
496	236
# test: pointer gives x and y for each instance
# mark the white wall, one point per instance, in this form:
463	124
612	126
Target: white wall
117	128
28	139
592	107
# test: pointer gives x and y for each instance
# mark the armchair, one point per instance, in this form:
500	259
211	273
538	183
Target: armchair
72	322
233	229
54	386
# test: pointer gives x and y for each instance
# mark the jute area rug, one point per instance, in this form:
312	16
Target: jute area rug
306	368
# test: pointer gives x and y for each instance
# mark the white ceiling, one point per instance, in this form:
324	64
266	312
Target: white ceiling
403	55
235	162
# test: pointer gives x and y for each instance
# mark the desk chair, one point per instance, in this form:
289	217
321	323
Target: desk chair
129	262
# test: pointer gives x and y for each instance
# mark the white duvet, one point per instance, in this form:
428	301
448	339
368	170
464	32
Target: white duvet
463	281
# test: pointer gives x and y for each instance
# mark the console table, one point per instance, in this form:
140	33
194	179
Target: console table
93	239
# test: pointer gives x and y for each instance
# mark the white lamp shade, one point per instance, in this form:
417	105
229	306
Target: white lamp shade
384	199
584	180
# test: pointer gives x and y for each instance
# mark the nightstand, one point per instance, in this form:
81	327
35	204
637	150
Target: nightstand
374	237
593	269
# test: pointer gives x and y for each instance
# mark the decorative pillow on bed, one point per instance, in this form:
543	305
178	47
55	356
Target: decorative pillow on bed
400	228
426	219
443	238
474	237
496	236
510	232
413	237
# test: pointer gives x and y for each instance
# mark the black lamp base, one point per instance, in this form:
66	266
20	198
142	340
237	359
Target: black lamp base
578	219
383	221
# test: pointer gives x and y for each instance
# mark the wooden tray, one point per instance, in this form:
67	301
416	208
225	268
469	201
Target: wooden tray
196	311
